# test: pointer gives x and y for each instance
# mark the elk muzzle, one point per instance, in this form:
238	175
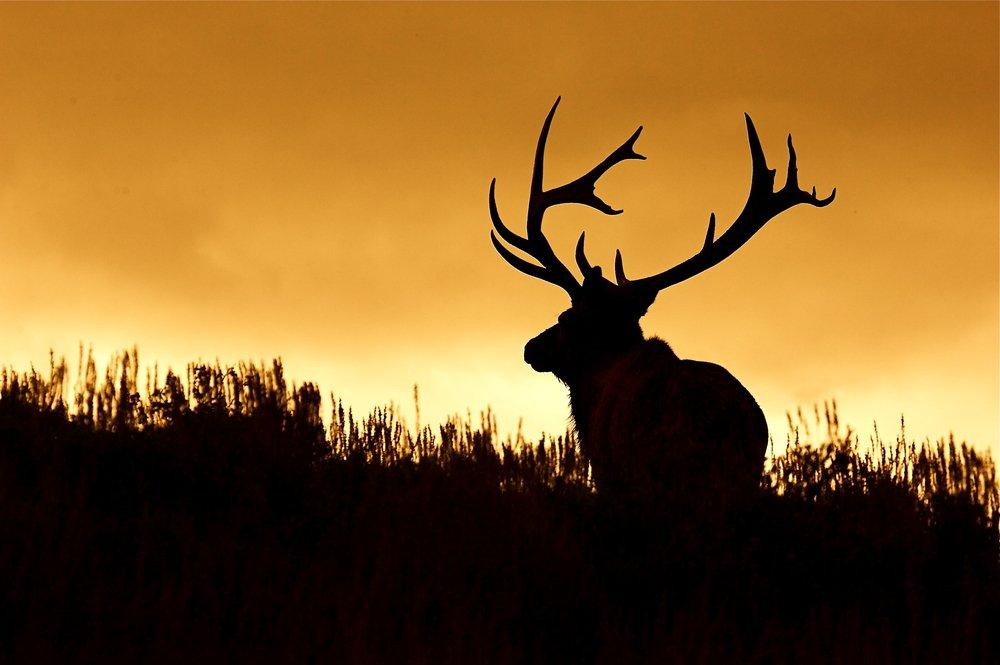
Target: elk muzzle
540	351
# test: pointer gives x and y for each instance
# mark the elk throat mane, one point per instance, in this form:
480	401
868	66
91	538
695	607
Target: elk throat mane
625	372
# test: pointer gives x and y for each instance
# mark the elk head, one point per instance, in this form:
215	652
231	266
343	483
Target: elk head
604	317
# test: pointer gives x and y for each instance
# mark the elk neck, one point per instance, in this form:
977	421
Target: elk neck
615	372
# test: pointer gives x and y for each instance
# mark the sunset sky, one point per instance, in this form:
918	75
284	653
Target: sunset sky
310	181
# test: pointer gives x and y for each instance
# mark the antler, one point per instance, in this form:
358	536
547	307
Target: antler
579	191
763	204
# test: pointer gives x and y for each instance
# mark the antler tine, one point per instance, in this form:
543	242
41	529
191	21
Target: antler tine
792	178
710	233
761	177
526	267
501	228
581	258
620	269
763	204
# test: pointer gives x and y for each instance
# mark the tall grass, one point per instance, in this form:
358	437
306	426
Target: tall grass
225	514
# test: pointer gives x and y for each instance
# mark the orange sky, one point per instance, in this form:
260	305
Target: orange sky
309	181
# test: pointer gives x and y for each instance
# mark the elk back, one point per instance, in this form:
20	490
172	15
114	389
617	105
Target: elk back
659	425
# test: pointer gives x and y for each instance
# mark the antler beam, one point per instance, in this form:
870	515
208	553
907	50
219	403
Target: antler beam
763	204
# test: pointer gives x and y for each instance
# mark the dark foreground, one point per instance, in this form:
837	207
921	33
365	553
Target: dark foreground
221	521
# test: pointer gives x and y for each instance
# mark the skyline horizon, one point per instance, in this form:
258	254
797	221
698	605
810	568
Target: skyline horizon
406	408
311	182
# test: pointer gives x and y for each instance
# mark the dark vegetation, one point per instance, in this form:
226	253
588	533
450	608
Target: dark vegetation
217	517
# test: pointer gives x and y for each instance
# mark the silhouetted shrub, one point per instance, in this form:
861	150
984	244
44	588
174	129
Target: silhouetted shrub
216	516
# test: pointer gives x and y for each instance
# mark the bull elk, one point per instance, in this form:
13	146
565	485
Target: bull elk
647	420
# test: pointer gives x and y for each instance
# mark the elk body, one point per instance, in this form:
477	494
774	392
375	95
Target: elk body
648	421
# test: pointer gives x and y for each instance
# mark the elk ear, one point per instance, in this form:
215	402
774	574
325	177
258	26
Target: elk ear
639	301
594	280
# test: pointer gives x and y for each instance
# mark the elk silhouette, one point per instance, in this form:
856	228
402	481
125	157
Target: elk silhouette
647	420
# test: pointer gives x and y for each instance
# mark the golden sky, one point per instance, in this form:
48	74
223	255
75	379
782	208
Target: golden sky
309	181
